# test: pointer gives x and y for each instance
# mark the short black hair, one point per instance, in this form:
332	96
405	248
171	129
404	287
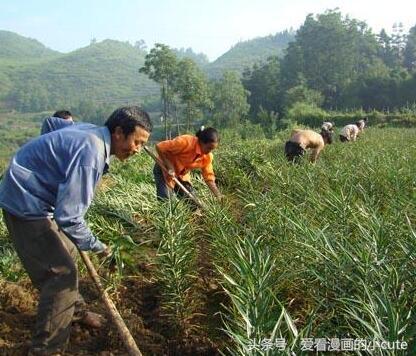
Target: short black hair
358	123
128	117
208	135
63	114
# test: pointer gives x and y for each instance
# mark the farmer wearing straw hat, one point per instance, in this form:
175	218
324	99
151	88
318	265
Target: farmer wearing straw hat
180	156
45	194
303	140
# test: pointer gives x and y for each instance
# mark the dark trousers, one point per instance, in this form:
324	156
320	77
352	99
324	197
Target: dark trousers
49	259
163	191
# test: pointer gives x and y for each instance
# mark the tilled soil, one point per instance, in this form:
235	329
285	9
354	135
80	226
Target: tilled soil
137	299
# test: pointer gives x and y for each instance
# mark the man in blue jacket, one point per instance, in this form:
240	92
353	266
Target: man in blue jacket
58	120
45	194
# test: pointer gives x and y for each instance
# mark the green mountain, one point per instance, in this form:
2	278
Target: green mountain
16	52
245	54
23	49
101	72
35	78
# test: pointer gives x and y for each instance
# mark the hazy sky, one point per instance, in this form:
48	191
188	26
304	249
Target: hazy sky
208	26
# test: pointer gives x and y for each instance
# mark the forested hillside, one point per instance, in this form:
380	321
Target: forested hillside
332	62
337	63
247	53
35	78
17	52
19	48
104	71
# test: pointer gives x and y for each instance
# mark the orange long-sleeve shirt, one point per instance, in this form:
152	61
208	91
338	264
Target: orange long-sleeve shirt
184	152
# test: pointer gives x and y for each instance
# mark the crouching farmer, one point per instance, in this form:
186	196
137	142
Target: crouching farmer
303	140
349	133
45	194
352	131
183	154
362	123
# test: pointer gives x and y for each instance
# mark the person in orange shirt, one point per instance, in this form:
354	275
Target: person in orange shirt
180	156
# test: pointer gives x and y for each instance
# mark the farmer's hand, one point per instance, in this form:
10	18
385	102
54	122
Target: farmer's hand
106	252
171	172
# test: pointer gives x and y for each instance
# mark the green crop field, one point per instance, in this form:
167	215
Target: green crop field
293	253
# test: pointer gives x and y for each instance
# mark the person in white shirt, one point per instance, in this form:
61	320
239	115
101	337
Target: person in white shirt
349	133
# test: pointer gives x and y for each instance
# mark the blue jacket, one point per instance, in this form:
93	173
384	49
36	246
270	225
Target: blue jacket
54	123
55	175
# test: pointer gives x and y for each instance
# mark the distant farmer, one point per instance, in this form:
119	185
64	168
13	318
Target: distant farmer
180	156
350	132
45	194
362	123
327	126
303	140
58	120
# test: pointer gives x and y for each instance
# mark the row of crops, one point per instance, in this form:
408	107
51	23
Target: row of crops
294	253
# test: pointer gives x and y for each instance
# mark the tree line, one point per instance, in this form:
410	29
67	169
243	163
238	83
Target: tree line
335	63
187	93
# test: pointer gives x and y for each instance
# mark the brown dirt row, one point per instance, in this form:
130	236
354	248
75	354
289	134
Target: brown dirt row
138	300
